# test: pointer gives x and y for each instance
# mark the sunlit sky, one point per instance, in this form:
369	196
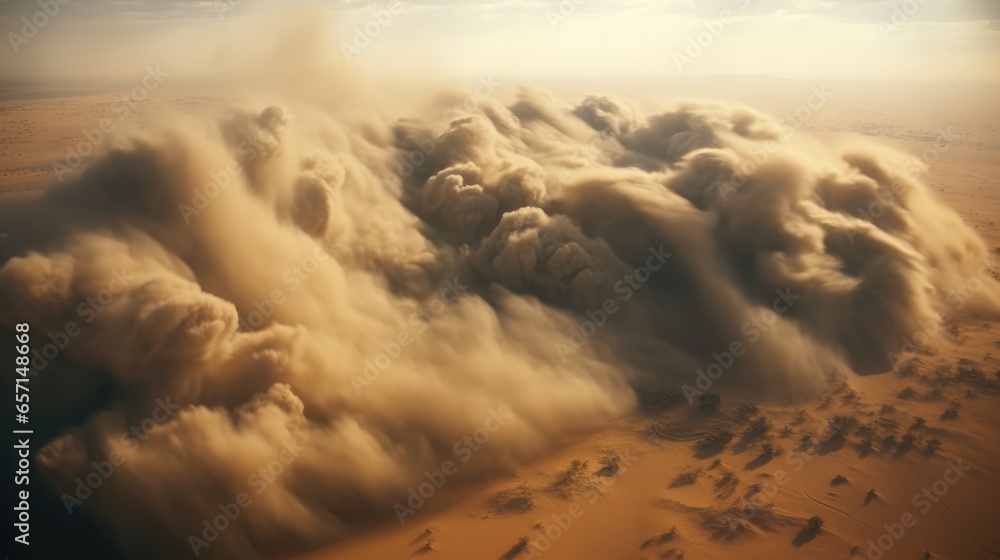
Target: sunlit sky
953	40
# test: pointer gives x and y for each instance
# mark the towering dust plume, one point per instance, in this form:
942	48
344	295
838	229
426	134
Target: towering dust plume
369	291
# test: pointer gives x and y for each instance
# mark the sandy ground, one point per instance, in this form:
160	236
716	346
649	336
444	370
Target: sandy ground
42	128
673	480
649	488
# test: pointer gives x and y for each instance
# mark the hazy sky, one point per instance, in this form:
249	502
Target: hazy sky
829	39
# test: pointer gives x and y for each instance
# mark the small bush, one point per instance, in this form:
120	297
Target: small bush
745	410
758	426
840	426
727	480
685	478
771	450
951	412
709	402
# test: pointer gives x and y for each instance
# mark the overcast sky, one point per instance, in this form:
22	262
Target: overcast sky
955	40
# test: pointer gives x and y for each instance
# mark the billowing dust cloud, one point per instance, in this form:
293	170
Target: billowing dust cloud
369	291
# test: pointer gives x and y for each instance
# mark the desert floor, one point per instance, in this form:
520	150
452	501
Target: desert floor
675	481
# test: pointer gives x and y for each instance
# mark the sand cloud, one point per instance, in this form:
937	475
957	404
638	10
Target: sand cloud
541	210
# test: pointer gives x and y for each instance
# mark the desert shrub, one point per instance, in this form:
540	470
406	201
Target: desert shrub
685	478
709	402
770	449
758	426
727	479
745	410
659	399
951	412
840	425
